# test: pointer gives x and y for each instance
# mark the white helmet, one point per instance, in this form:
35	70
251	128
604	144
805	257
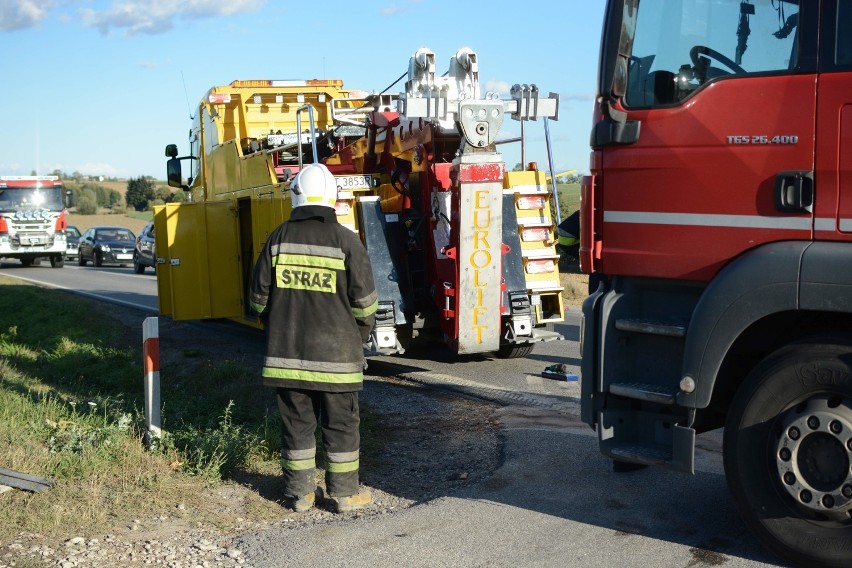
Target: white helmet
313	185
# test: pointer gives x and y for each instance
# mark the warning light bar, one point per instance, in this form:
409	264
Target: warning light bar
219	98
288	83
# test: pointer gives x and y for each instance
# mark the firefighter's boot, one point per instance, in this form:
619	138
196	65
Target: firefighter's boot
352	502
306	502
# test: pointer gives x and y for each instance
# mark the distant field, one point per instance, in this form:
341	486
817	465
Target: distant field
119	186
134	223
569	198
132	220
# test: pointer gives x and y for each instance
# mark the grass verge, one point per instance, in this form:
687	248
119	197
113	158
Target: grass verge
71	410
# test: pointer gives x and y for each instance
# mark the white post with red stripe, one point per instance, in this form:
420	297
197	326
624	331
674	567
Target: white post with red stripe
151	371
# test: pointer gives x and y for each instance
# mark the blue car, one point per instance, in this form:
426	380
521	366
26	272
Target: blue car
145	253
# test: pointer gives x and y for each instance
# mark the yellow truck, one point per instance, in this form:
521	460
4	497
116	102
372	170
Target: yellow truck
462	250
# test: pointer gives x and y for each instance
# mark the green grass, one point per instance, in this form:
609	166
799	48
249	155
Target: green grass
144	215
71	410
569	198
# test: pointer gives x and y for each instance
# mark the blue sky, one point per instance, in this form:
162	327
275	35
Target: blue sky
101	86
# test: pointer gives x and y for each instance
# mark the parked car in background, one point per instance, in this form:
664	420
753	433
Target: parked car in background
72	237
145	253
101	245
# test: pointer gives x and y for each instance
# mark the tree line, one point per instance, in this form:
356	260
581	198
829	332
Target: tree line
142	194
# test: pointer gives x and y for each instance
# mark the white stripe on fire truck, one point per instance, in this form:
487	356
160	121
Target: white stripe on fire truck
707	220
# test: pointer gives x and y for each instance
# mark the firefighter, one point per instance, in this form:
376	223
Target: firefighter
313	288
568	234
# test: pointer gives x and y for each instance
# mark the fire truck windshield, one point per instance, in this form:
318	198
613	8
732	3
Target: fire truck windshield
30	199
675	46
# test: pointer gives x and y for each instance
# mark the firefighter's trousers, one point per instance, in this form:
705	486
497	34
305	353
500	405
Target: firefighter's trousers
301	410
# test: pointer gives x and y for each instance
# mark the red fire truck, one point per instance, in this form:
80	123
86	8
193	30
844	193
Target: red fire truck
32	219
717	228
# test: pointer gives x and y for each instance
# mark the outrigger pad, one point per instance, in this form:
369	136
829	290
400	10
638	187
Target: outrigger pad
24	481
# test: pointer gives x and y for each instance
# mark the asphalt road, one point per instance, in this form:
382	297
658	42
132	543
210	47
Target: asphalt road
554	501
111	283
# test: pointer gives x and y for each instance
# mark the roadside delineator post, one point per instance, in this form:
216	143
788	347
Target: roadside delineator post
151	378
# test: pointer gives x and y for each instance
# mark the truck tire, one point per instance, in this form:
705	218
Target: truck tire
788	452
514	350
57	261
27	261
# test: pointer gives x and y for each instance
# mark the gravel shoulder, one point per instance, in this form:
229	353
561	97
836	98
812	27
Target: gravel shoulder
424	445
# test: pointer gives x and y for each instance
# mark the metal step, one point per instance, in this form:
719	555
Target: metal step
641	454
640	391
667	328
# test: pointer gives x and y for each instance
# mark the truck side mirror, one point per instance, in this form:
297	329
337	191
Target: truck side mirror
173	172
69	199
171	151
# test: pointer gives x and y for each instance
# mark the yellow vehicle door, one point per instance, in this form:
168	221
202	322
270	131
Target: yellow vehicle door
198	261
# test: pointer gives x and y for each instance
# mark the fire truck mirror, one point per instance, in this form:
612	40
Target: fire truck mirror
69	199
173	173
171	151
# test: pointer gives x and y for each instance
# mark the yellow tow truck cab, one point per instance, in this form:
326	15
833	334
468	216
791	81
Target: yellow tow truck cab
462	250
243	149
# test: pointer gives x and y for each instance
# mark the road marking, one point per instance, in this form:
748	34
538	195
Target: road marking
87	294
122	274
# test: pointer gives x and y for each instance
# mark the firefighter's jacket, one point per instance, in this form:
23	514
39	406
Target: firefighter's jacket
569	230
313	288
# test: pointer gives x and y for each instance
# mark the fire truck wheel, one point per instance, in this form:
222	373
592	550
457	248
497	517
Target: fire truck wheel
514	351
57	261
788	452
27	261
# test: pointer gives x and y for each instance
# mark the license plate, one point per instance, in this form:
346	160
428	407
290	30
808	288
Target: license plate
124	256
354	182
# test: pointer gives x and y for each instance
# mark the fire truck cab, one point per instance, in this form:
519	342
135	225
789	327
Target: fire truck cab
717	222
32	219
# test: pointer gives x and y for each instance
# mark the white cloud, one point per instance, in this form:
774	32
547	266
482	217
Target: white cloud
95	168
158	16
494	86
393	10
583	97
22	14
146	64
12	167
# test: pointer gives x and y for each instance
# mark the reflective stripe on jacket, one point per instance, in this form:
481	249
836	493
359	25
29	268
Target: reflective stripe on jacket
313	283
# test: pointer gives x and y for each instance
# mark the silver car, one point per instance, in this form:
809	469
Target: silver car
72	237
